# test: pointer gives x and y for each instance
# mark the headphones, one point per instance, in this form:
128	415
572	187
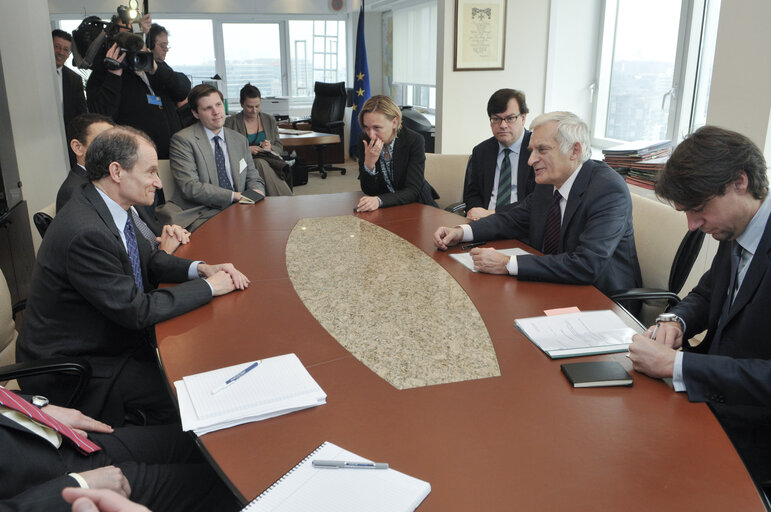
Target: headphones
152	35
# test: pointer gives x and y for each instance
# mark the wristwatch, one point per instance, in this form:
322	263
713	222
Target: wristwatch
670	317
39	401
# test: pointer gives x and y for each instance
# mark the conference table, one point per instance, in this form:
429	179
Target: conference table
523	440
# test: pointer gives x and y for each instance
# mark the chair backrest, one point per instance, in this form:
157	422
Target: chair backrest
169	186
43	218
686	256
328	103
8	332
447	174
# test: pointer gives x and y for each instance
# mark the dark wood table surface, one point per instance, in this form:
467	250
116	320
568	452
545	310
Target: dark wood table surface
525	440
308	139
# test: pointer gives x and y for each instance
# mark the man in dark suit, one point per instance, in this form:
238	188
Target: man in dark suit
211	164
157	466
94	290
81	131
579	215
500	175
718	178
70	83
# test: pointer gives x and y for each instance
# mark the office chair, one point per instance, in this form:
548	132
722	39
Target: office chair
327	117
11	370
43	218
460	208
686	255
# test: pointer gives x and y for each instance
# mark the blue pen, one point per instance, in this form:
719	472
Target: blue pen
235	377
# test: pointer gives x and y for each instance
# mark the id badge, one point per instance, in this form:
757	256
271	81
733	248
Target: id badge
154	100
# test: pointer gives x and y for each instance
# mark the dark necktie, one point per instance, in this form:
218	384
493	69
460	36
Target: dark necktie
219	159
736	252
504	181
133	252
15	402
551	238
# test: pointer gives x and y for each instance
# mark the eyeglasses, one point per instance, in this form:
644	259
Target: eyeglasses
164	47
495	120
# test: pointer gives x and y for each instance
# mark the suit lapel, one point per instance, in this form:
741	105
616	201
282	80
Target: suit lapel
754	276
205	149
235	160
93	197
490	163
523	169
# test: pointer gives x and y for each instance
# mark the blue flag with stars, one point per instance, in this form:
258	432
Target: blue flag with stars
361	91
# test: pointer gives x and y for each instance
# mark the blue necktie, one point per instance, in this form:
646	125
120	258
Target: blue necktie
219	159
504	181
551	237
133	253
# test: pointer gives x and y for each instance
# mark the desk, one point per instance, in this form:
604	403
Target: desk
525	440
318	139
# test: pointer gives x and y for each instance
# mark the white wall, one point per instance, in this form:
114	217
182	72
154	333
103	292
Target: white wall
35	129
740	94
462	96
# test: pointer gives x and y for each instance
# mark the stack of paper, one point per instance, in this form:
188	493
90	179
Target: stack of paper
278	385
578	334
305	487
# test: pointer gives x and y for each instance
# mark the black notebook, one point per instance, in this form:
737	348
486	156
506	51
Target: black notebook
596	374
249	196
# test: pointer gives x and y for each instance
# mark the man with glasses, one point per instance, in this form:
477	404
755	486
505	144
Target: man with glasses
157	41
499	175
579	216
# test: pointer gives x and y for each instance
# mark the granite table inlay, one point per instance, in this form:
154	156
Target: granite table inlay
388	303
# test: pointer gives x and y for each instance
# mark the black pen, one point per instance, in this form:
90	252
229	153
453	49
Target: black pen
466	247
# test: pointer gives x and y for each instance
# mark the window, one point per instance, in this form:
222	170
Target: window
191	48
317	52
252	55
414	72
654	69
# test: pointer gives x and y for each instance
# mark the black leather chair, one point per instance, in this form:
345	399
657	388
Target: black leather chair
326	117
685	257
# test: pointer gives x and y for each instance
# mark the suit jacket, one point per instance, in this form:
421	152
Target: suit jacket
596	238
198	193
484	158
172	87
269	124
73	99
409	162
83	301
732	366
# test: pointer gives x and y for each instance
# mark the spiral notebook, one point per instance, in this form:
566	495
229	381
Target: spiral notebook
339	490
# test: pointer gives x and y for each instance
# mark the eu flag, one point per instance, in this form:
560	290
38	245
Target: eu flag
361	91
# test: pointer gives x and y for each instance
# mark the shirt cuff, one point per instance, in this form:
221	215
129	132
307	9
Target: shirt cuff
677	372
468	235
371	172
81	481
512	266
192	271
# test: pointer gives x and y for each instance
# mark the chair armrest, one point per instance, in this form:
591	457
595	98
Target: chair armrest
334	124
459	208
80	367
636	294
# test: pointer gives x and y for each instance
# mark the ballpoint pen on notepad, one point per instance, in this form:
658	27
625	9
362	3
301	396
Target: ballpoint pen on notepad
235	377
341	464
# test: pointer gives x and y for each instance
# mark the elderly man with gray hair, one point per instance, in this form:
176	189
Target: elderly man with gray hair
579	216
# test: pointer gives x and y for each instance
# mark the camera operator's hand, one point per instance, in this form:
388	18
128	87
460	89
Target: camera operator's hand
115	54
145	23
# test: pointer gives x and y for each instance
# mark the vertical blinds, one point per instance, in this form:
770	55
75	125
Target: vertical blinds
414	44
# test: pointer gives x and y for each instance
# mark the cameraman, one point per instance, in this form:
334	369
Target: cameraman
138	98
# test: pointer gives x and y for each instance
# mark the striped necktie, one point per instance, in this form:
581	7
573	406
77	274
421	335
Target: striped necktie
503	198
15	402
551	237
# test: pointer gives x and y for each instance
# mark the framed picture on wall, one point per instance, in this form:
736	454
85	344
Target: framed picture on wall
480	34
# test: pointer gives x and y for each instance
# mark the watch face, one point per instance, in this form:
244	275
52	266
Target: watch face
39	401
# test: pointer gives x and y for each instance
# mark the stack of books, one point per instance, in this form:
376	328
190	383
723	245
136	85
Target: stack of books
639	162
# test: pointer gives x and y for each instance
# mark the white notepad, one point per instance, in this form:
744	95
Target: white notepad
278	385
464	258
340	490
578	334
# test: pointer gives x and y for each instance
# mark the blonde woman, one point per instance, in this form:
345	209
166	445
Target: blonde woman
391	158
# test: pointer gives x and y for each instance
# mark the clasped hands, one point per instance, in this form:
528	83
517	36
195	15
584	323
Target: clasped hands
486	260
223	278
656	357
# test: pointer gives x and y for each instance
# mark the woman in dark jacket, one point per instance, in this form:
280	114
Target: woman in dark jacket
391	158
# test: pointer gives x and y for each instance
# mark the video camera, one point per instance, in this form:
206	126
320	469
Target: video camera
94	37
